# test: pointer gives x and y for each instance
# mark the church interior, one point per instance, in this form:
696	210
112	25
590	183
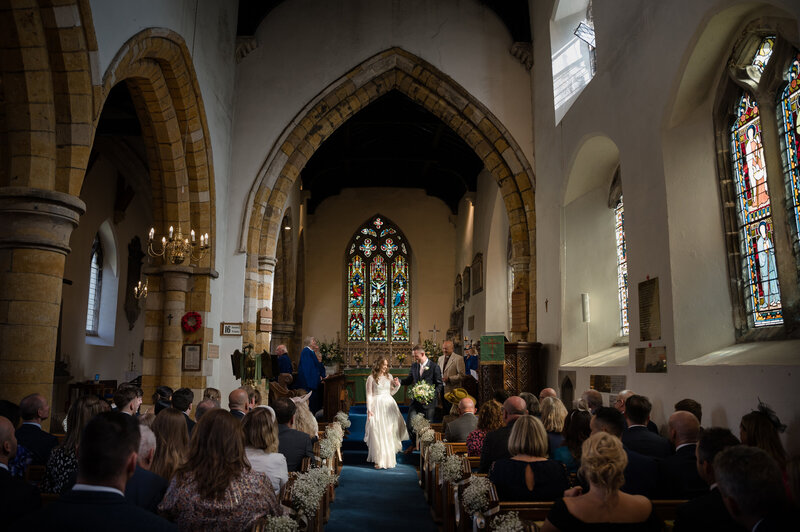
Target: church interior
564	173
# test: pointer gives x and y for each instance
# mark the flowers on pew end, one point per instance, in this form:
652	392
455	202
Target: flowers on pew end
423	392
436	452
419	423
476	495
509	522
334	431
452	469
342	419
308	489
427	435
327	448
283	523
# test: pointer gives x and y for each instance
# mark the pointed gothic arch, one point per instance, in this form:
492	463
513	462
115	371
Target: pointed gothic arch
393	69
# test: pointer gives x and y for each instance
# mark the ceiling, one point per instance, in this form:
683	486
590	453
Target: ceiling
393	142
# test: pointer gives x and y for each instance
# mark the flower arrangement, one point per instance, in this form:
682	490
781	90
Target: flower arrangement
342	419
336	432
400	358
476	495
427	435
332	352
309	488
432	350
452	468
283	523
423	392
358	357
419	423
436	452
327	448
509	522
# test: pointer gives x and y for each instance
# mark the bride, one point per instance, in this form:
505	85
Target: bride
386	428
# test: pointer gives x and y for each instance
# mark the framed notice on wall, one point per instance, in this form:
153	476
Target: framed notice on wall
649	311
192	357
230	329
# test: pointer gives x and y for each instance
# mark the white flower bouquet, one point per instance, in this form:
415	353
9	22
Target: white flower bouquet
436	452
476	495
452	468
342	419
334	431
427	435
283	523
309	488
327	448
509	522
423	392
419	423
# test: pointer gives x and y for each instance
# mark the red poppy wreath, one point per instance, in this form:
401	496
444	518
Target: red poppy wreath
191	322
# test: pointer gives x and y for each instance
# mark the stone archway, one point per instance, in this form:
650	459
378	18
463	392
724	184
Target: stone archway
393	69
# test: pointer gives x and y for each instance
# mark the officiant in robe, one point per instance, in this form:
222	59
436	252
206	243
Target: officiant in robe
425	370
310	372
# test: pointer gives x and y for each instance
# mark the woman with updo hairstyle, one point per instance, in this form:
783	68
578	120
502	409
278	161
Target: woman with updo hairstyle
490	417
604	506
216	489
528	475
261	447
553	415
760	428
172	442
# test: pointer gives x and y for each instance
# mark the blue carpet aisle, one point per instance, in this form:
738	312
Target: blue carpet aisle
369	499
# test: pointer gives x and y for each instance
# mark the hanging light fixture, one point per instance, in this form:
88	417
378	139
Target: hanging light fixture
176	249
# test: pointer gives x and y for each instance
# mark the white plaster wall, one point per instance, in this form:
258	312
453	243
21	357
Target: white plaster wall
672	210
425	222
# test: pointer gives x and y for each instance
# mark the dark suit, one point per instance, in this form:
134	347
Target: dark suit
495	446
641	440
458	429
679	478
145	489
37	441
641	474
238	414
189	423
92	510
295	446
17	499
703	513
433	376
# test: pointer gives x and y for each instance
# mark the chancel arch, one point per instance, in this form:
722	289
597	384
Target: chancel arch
398	70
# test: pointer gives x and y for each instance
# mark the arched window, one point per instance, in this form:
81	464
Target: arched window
622	267
378	260
790	138
95	286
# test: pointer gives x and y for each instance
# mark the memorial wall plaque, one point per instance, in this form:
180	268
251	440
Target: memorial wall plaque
651	360
649	311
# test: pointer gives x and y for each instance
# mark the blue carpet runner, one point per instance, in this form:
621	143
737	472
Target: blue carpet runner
369	499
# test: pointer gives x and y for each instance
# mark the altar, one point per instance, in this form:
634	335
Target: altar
356	383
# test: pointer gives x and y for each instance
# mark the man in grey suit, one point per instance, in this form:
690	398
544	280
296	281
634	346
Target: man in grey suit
458	430
292	444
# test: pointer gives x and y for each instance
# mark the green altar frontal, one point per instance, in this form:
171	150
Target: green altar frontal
356	382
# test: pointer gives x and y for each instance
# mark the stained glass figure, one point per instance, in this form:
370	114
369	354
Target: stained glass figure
764	53
622	268
400	300
790	136
356	300
754	216
378	307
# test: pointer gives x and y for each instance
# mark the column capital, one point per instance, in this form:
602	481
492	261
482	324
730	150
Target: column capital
38	219
520	264
267	263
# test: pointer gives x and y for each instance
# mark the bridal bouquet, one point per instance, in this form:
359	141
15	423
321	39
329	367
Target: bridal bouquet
423	392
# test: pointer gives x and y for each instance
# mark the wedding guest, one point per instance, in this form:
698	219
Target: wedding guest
604	506
637	436
471	360
285	368
162	398
619	404
593	400
752	489
214	395
553	415
172	442
576	430
452	366
146	419
128	398
145	489
292	444
528	475
708	512
495	445
261	447
310	372
62	466
182	400
304	420
679	478
547	392
34	409
18	497
253	397
204	406
490	417
237	403
761	428
106	460
532	404
216	489
459	429
690	405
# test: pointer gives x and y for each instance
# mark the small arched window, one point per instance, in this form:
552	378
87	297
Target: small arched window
95	286
622	267
378	284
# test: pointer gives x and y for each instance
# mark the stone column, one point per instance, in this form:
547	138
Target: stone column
34	241
176	284
521	269
266	277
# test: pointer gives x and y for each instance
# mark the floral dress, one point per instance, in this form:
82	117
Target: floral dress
61	471
475	442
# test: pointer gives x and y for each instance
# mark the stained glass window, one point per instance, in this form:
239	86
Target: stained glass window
754	216
622	268
378	306
790	136
95	285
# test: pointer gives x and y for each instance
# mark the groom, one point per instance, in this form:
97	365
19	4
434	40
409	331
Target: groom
422	370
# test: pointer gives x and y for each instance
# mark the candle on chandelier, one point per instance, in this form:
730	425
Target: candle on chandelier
192	233
170	231
201	240
152	232
163	241
206	239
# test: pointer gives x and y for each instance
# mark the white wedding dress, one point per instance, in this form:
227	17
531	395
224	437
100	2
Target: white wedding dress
386	428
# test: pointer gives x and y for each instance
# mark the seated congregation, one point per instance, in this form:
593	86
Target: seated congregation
518	459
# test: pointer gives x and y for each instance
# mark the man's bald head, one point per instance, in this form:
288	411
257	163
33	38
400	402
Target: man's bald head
594	399
547	392
466	405
237	400
621	398
8	442
513	407
683	428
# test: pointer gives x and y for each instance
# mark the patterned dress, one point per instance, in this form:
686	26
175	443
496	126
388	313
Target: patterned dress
247	498
475	442
61	471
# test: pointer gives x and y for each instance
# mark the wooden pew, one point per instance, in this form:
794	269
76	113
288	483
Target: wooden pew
449	490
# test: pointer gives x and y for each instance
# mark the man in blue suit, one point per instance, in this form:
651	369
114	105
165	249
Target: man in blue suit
422	370
310	372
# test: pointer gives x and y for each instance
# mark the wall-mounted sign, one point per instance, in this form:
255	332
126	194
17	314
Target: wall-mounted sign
230	329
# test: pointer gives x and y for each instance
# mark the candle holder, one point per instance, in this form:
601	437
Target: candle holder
176	249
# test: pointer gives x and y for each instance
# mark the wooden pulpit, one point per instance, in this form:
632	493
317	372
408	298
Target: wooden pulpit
522	368
332	388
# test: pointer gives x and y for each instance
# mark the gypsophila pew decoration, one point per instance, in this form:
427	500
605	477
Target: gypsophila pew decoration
419	423
451	469
342	419
436	452
423	392
283	523
327	448
509	522
476	495
308	489
334	431
427	436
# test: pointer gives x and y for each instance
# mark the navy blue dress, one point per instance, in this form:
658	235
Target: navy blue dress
549	480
